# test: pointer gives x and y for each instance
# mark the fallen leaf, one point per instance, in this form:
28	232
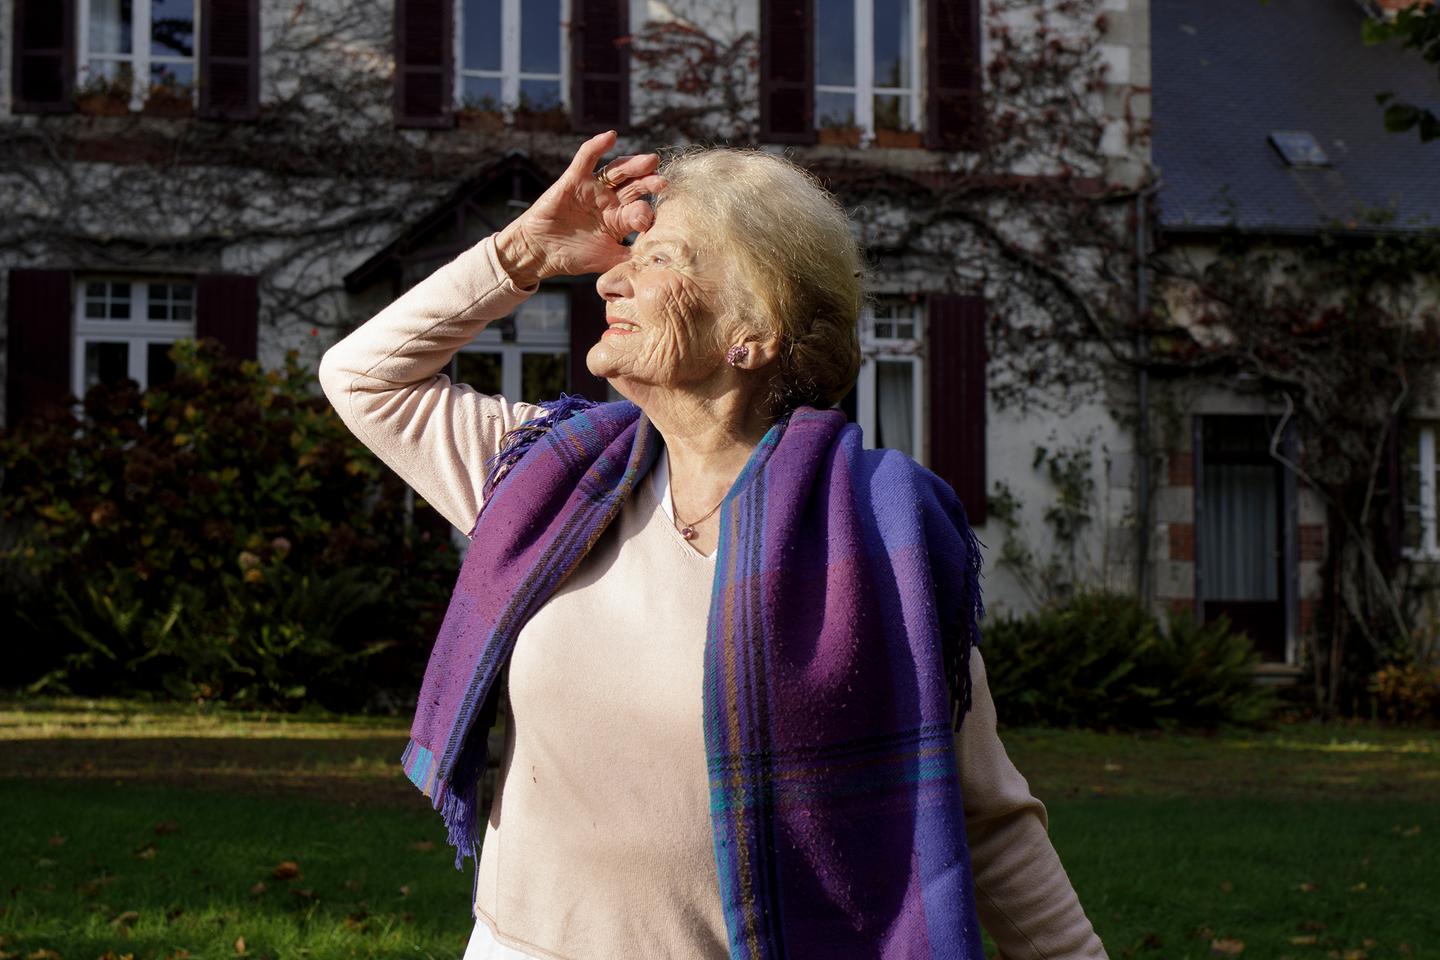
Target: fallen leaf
1227	947
1309	940
166	827
180	954
45	863
1113	768
126	919
1355	955
357	920
43	954
304	893
146	852
259	889
423	845
91	887
286	870
59	841
1307	887
1359	887
405	890
1312	925
240	945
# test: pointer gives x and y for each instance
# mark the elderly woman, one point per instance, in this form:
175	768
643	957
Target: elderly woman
736	644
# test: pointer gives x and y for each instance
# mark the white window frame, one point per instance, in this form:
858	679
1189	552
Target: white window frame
864	90
893	350
140	58
512	353
138	331
510	74
1429	547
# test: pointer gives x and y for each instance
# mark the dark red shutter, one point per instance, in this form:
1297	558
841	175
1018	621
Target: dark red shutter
600	75
1393	532
956	347
587	322
43	56
953	106
38	349
227	307
230	59
423	59
787	71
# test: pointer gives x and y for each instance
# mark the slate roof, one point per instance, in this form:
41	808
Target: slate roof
1226	73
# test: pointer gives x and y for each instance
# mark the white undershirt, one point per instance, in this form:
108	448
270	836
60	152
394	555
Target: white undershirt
662	488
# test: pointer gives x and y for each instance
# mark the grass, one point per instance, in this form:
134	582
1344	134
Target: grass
1305	842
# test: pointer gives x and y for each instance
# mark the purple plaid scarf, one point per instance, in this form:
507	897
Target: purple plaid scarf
845	604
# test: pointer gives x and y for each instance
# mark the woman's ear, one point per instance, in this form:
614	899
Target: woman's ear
755	352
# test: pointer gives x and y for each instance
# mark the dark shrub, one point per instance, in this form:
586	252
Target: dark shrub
1101	660
221	537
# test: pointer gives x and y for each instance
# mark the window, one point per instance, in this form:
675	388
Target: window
524	357
511	60
866	67
1422	542
124	327
887	397
137	48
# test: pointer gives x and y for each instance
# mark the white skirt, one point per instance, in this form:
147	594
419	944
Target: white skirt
484	946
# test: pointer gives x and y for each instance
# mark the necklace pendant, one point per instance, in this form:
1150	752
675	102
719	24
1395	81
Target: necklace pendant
688	533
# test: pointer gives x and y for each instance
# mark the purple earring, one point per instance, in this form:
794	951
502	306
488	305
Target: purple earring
736	354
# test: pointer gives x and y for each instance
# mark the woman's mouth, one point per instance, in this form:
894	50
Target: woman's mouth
618	326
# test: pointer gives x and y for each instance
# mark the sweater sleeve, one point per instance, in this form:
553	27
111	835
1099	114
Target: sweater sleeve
1022	893
384	381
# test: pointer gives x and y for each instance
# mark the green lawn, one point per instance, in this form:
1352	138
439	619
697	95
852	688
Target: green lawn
158	833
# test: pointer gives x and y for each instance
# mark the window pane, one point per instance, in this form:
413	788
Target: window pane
892	112
106	363
539	95
95	309
835	42
835	109
479	370
540	36
1238	529
542	375
481	93
116	74
159	368
119	301
895	405
892	43
173	75
111	26
172	28
482	35
546	315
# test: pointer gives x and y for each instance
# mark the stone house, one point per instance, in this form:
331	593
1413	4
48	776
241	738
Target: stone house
270	174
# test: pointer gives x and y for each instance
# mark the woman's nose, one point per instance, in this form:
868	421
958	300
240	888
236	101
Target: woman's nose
614	284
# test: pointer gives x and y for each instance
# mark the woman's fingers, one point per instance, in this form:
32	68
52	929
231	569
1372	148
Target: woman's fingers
637	215
632	167
635	189
590	152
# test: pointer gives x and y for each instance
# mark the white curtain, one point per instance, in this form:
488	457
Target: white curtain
1238	540
894	402
110	26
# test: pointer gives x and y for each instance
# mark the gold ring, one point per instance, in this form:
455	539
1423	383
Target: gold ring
603	175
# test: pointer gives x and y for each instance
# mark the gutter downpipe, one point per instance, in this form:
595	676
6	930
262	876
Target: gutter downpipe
1143	578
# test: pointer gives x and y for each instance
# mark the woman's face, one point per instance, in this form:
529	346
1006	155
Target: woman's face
662	308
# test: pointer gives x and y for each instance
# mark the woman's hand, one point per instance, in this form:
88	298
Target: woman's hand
576	227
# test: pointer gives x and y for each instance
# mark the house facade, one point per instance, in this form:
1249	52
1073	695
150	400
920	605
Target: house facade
271	174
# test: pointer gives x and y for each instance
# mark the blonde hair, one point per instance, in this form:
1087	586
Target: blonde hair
795	261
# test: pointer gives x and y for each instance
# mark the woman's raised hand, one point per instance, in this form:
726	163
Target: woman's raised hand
576	226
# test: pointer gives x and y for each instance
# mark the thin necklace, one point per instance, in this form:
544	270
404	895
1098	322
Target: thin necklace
687	530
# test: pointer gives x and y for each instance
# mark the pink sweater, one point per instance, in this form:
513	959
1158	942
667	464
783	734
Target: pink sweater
595	851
